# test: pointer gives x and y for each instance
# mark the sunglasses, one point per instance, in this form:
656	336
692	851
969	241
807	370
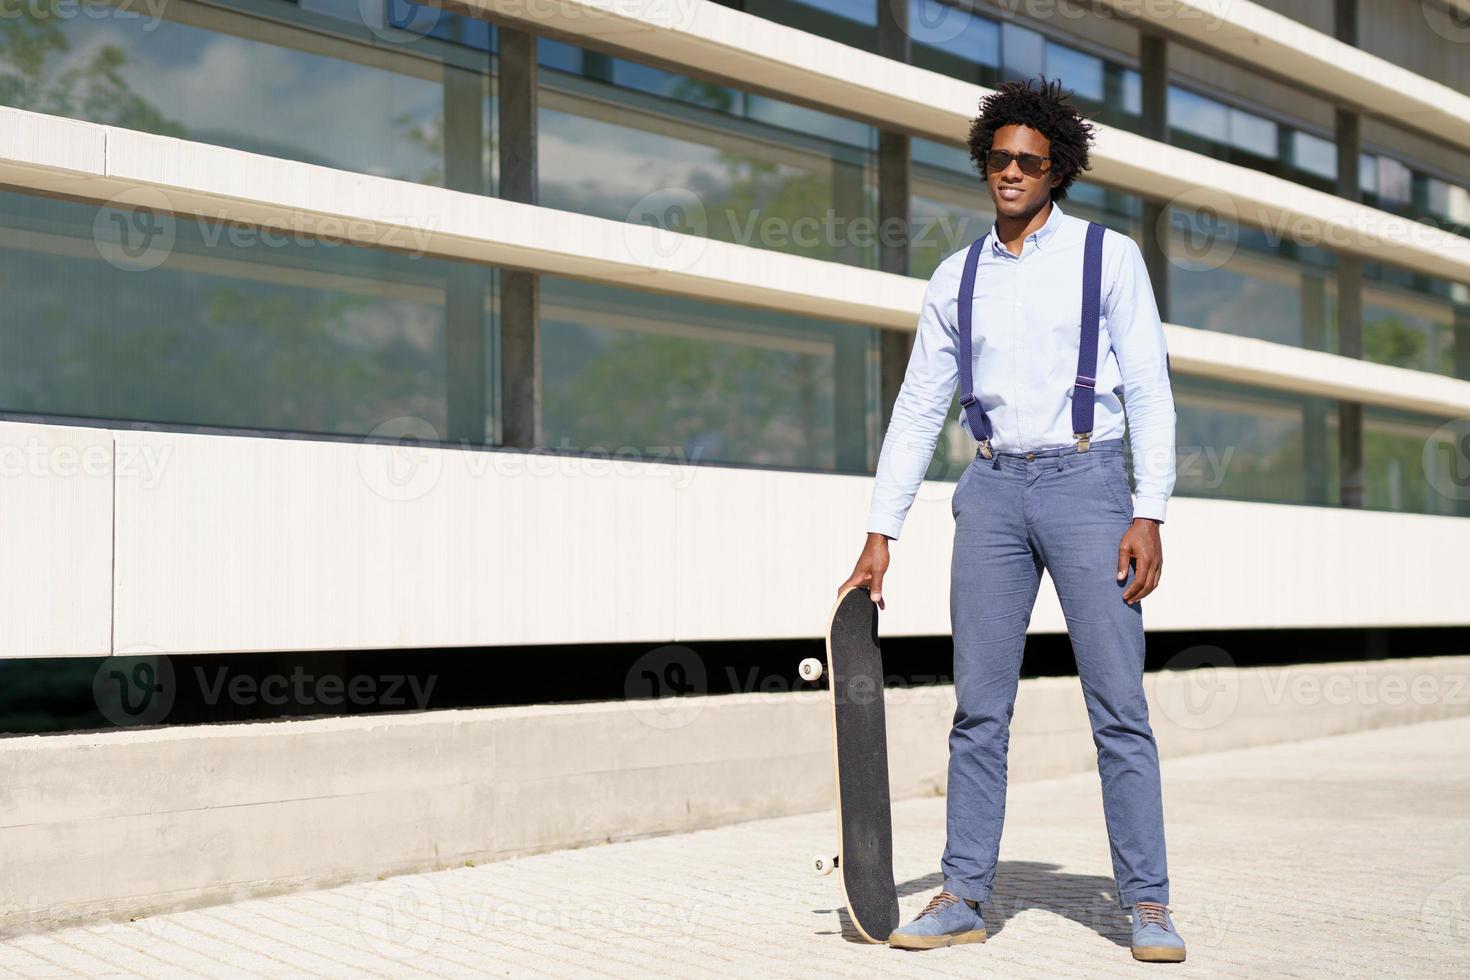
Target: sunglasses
997	161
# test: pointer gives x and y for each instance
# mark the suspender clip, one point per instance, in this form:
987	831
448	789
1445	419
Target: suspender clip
1084	439
985	449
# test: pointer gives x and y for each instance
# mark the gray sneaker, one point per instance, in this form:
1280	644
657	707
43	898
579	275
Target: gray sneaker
947	920
1154	938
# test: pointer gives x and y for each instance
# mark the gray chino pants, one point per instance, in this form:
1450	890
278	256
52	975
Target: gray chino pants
1063	511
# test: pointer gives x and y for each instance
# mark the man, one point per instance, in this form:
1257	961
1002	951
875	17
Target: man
1040	493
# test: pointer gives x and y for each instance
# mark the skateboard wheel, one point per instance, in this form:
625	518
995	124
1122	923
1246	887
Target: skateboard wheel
824	864
810	669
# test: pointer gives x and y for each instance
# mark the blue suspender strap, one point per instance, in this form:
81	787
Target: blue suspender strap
974	411
1084	390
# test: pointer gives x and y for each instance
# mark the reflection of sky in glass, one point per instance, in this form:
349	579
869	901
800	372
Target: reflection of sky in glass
862	11
1196	114
958	32
1250	132
229	333
250	95
1314	154
1083	73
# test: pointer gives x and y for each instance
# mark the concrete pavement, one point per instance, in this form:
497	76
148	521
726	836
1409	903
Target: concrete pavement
1345	856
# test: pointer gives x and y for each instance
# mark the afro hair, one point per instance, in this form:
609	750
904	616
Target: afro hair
1046	109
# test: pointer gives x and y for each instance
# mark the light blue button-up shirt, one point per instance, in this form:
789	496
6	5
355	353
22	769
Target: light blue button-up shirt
1026	325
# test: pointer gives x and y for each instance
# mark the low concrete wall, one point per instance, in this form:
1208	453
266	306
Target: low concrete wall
125	823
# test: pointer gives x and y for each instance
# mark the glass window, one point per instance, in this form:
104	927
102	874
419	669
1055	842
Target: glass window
1314	154
1253	133
1081	72
1395	181
1023	50
1247	443
131	316
215	76
862	11
671	377
628	157
1198	115
1415	464
955	31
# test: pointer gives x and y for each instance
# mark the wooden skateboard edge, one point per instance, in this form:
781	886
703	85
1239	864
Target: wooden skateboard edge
836	769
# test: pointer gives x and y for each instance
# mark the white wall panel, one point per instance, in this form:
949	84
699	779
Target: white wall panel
262	544
55	540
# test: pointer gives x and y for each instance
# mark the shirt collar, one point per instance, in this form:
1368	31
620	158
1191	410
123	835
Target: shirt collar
1037	237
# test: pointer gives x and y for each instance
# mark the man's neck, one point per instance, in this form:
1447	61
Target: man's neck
1013	231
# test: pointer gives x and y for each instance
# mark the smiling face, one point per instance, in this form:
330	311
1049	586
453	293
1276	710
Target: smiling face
1015	194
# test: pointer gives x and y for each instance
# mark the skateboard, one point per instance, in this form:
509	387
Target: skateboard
864	858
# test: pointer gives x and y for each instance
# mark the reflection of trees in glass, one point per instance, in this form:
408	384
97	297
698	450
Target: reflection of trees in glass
427	135
1392	341
94	91
651	392
762	202
253	356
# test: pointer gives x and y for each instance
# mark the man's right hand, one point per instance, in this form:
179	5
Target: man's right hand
871	565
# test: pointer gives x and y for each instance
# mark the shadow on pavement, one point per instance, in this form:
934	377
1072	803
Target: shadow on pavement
1088	900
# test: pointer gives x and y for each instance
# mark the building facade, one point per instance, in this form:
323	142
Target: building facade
337	325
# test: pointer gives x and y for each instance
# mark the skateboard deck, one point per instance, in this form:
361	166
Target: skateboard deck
864	814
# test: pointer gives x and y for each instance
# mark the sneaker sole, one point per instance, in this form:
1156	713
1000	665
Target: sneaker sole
898	941
1158	954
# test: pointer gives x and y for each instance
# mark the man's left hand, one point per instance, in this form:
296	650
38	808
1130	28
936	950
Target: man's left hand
1141	546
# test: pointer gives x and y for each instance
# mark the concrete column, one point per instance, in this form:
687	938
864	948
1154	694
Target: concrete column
1349	283
467	284
1153	66
520	292
1462	342
895	175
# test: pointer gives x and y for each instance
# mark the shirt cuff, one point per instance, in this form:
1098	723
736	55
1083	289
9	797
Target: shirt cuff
1150	507
885	525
